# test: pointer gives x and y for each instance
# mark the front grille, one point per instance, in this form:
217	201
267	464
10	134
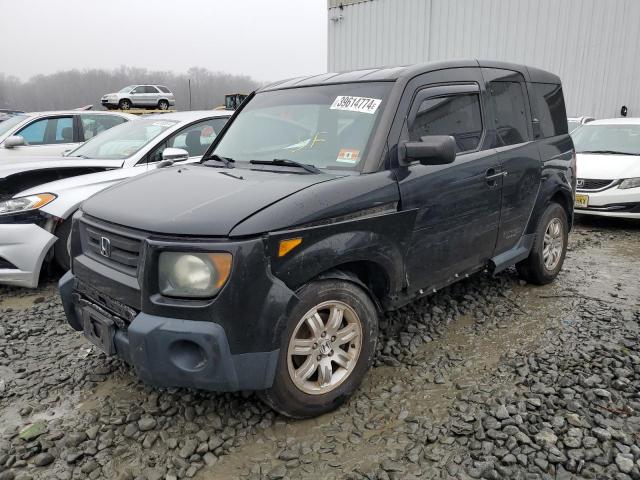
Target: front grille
111	246
593	184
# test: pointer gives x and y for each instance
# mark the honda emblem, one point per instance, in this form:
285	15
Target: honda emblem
105	247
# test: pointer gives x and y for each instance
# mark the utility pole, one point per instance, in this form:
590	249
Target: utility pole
189	94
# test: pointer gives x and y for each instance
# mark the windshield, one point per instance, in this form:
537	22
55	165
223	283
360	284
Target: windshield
620	138
8	124
122	141
325	126
126	89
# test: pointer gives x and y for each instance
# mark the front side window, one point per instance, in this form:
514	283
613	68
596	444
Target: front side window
550	109
48	131
510	117
327	126
93	125
122	141
613	138
138	90
456	115
195	139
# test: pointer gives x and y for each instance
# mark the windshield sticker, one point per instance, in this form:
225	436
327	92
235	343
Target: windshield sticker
356	104
348	155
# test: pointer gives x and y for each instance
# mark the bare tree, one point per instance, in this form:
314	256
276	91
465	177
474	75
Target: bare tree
75	88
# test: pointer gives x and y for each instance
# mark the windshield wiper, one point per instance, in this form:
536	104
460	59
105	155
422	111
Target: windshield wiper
228	162
284	162
610	152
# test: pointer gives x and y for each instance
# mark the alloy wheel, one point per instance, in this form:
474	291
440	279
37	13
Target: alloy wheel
324	347
553	244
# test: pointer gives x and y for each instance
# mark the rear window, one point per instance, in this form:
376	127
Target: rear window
550	110
164	89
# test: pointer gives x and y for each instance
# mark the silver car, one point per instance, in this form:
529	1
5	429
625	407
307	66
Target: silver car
40	134
35	220
144	96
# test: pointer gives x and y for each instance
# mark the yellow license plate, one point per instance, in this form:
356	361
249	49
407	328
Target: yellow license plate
582	201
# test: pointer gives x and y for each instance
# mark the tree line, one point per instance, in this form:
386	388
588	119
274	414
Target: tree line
76	88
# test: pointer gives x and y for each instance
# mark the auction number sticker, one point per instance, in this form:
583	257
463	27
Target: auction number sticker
356	104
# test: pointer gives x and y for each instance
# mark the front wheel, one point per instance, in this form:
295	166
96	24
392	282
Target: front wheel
549	247
124	104
327	348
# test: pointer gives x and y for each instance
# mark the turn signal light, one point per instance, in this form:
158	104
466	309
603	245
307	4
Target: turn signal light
287	245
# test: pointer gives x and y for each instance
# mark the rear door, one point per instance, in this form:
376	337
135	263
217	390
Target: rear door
458	204
511	123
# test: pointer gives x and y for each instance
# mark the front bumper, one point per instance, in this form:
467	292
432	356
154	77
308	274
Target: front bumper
172	352
612	202
23	248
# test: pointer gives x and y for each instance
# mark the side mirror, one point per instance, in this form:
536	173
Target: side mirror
175	154
431	150
14	141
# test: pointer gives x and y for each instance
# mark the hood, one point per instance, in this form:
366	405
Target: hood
53	162
195	199
71	192
607	167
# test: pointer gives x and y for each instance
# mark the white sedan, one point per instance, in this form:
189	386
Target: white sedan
608	168
35	222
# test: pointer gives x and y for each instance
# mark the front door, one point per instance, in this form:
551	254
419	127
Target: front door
458	204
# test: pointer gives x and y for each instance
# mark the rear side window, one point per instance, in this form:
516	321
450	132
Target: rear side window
550	110
150	89
455	115
164	89
510	117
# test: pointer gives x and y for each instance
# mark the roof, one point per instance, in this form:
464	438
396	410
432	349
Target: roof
75	112
406	72
190	115
616	121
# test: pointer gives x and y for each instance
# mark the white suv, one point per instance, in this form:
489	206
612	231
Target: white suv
144	96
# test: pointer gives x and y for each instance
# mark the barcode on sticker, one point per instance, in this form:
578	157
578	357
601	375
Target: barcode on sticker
356	104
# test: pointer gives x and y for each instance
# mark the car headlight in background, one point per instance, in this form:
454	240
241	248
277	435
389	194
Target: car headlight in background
193	274
23	204
630	183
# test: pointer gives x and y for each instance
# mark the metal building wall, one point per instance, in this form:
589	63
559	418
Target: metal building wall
594	45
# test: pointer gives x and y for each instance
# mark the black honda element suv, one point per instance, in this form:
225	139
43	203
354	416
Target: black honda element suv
324	202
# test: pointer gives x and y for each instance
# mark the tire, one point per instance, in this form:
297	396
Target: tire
348	362
60	253
124	104
549	247
163	105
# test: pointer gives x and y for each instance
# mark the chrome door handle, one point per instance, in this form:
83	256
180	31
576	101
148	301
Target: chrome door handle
496	175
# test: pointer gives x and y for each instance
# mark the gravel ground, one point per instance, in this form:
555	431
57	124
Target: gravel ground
491	378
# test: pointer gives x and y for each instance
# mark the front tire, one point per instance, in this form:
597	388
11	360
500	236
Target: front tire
549	247
327	347
124	104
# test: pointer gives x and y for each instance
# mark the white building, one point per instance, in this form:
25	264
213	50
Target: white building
593	45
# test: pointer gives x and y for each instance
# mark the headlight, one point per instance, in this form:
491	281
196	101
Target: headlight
23	204
193	275
630	183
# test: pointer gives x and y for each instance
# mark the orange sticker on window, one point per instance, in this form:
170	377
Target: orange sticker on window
348	155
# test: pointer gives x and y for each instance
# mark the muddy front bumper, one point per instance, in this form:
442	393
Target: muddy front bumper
164	351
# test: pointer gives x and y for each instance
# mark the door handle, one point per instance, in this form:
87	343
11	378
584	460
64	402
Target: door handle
493	176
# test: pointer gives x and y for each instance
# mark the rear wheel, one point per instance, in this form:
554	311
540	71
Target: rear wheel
61	254
163	105
124	104
327	348
549	247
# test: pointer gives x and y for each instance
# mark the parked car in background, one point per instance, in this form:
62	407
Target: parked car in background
33	219
608	168
326	201
144	96
575	122
40	134
6	114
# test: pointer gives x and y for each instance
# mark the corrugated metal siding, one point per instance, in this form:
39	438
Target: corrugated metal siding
594	45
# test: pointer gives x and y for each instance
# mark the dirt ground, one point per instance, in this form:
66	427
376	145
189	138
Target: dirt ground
489	378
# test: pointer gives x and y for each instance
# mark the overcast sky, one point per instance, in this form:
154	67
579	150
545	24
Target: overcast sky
267	40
